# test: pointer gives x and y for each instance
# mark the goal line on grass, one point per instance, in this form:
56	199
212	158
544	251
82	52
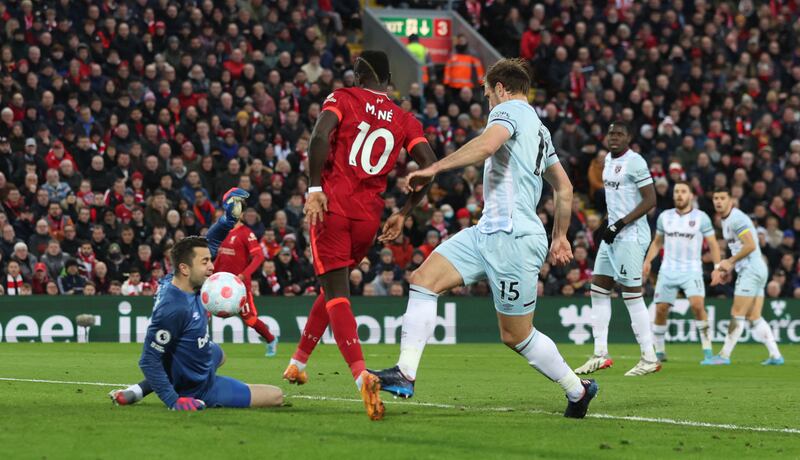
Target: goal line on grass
627	418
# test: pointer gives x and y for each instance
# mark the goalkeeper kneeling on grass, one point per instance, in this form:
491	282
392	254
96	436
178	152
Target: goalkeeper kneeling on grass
179	361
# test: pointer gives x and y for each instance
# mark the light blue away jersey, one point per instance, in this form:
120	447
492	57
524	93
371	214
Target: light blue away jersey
512	177
733	227
623	177
683	240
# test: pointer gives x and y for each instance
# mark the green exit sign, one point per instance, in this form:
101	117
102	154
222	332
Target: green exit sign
405	27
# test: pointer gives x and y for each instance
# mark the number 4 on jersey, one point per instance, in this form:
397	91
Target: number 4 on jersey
363	145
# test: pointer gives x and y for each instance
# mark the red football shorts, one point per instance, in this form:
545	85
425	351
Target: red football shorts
339	242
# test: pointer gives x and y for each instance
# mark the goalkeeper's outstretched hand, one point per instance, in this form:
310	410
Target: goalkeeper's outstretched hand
187	403
232	203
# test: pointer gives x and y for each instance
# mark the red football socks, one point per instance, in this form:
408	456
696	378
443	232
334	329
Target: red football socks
345	331
250	317
263	330
312	333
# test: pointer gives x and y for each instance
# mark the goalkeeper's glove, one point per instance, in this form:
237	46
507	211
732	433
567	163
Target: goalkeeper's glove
612	231
232	203
187	403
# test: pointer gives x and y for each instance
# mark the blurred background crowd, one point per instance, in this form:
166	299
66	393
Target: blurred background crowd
122	123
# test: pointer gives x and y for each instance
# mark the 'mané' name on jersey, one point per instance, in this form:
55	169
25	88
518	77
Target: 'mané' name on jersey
370	109
683	239
623	177
364	148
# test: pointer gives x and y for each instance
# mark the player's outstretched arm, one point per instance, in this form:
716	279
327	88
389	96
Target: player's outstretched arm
162	335
560	249
474	151
232	203
652	253
393	227
318	150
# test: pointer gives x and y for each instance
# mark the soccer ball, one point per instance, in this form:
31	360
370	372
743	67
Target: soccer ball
223	294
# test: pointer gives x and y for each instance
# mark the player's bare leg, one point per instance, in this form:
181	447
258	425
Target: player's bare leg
601	317
698	305
312	332
336	285
518	333
739	310
640	323
265	396
660	330
435	275
763	332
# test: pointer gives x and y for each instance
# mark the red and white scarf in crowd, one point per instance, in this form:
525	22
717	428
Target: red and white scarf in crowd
86	264
13	284
272	282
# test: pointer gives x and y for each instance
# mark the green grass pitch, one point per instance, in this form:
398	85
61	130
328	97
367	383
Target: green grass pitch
473	401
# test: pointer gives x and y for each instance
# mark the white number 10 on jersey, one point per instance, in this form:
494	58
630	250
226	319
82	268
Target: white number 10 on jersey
363	146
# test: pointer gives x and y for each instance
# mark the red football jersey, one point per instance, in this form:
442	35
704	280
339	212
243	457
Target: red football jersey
364	148
236	251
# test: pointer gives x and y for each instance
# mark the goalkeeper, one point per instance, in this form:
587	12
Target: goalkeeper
179	361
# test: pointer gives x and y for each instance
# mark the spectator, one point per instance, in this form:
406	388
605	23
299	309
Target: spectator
90	289
100	278
56	190
462	70
54	259
14	278
133	286
288	273
25	260
432	240
386	262
116	288
40	279
267	279
396	289
71	282
383	282
356	282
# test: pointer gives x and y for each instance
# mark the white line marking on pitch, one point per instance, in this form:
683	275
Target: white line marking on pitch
663	421
65	382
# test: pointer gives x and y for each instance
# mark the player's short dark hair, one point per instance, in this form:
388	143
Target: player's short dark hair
514	74
373	63
623	125
686	183
183	251
722	190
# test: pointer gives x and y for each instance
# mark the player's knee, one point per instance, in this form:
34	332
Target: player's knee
418	278
510	339
698	310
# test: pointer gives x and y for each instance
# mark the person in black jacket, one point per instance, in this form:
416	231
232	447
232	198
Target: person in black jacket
288	272
71	283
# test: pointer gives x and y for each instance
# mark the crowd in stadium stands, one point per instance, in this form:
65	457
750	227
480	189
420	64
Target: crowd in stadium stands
122	123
